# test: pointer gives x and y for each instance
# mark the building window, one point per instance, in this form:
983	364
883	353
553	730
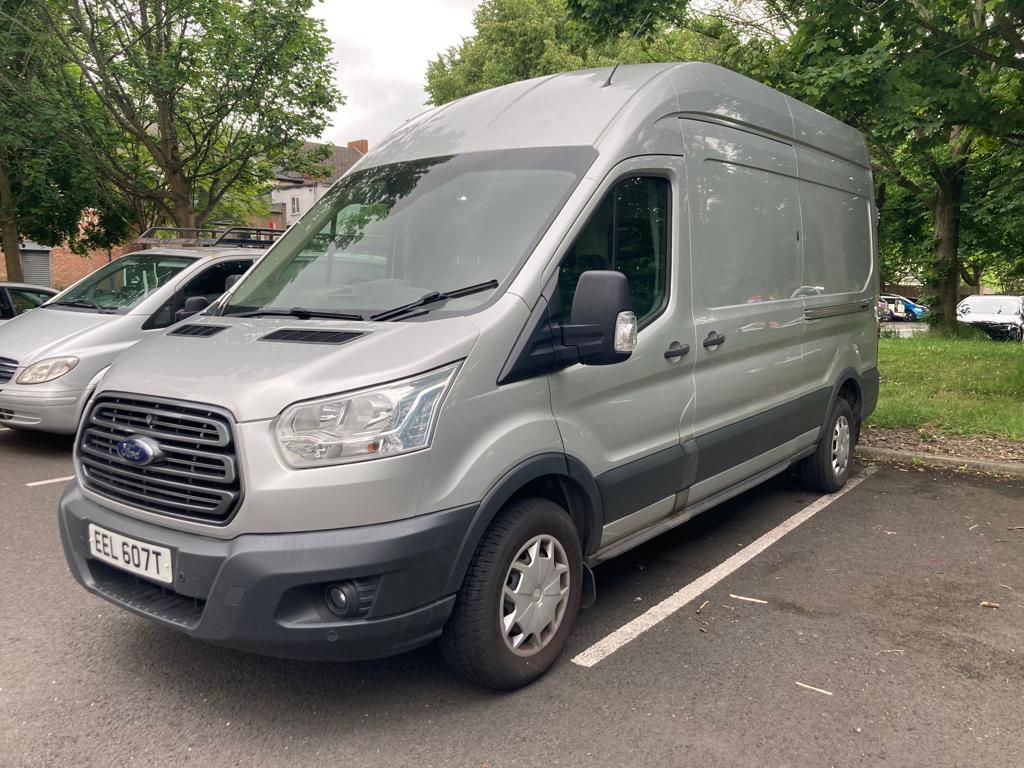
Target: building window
295	205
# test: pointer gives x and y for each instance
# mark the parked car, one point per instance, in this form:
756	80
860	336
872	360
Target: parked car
884	311
902	308
531	330
1001	317
52	358
18	298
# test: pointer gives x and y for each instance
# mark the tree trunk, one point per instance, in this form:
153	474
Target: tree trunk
9	226
947	248
184	209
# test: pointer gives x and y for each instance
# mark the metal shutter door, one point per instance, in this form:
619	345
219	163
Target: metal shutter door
36	267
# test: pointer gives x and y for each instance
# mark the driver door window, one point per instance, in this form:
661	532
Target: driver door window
209	284
629	233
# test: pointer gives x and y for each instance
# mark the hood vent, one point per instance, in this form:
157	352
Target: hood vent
304	336
198	330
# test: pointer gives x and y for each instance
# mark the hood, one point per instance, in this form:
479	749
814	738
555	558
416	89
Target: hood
44	333
989	318
255	378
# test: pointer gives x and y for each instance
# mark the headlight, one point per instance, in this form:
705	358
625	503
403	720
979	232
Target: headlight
47	370
367	424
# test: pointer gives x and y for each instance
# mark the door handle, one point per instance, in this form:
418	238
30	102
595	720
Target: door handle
676	350
714	339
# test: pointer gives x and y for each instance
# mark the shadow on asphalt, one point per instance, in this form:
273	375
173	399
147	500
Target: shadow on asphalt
31	444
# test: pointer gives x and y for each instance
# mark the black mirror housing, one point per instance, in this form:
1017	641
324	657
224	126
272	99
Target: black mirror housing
229	283
193	306
601	296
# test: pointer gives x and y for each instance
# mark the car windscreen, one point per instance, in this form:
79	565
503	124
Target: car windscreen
124	283
991	305
391	234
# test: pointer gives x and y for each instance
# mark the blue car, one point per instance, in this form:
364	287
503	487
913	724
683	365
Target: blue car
902	308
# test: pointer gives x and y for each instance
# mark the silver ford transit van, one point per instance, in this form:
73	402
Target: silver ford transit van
52	358
534	328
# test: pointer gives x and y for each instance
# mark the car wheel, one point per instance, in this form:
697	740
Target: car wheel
828	468
519	599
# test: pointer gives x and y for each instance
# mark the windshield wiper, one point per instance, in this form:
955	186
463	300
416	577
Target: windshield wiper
83	304
299	312
432	298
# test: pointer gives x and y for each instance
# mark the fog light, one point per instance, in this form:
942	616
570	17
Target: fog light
343	599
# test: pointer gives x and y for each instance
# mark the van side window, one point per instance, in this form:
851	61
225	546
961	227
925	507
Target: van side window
628	232
746	248
209	284
837	240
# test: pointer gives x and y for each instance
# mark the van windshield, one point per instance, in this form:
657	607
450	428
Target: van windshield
389	235
122	284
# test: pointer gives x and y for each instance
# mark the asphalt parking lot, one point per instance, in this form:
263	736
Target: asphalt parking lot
874	603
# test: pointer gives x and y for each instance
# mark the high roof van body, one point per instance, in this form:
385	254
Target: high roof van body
532	329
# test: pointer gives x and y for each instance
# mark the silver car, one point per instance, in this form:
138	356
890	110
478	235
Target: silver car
1001	317
52	358
532	329
19	298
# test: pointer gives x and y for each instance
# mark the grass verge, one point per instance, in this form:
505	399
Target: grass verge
953	385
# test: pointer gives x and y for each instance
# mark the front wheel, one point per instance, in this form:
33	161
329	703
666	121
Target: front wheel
828	468
519	599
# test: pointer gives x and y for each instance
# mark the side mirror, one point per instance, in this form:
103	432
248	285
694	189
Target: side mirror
193	306
602	327
229	283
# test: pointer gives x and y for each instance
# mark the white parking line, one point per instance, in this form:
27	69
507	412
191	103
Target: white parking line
48	482
658	613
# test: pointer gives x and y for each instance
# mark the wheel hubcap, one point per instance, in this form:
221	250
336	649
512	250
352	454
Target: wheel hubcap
534	595
840	445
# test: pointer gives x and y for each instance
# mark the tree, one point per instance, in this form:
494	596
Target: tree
926	80
185	103
46	184
521	39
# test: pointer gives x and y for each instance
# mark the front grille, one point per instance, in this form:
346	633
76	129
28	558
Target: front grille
305	336
195	475
146	596
7	369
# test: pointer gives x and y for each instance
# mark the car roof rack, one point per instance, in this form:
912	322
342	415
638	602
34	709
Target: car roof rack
210	237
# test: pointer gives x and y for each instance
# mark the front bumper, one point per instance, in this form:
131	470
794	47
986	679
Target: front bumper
265	593
45	410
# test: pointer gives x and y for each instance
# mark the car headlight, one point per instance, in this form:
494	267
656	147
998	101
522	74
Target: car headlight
47	370
367	424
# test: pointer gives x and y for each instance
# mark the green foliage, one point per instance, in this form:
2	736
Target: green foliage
965	386
46	183
521	39
187	105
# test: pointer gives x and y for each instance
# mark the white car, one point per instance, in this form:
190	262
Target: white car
1001	317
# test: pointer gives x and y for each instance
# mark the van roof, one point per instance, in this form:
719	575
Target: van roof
584	108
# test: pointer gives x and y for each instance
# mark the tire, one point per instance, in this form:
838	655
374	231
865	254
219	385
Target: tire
475	642
828	468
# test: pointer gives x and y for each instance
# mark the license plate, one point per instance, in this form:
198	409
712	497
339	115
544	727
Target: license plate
130	554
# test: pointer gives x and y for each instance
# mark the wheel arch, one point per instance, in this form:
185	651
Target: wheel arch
554	476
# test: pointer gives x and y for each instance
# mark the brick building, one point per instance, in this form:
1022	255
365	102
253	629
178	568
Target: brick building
57	267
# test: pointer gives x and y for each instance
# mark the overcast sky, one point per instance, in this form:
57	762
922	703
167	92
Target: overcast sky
381	50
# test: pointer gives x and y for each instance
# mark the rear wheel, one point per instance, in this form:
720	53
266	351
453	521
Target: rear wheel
519	600
828	468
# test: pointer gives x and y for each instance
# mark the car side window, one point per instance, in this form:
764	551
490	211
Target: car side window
209	284
24	299
5	308
628	232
